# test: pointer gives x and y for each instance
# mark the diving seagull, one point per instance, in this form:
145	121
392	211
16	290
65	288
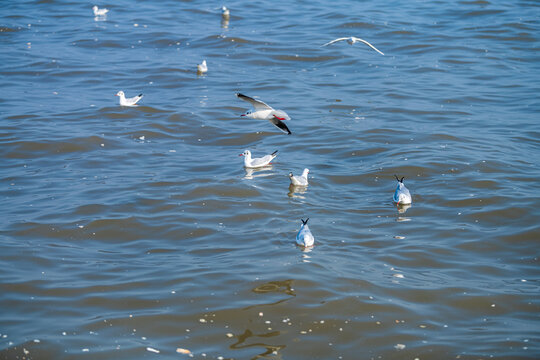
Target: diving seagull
305	237
351	40
257	162
202	68
99	12
301	180
129	101
263	111
402	196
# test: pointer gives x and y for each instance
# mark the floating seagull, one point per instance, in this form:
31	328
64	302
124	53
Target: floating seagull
265	112
202	68
402	196
305	237
299	180
351	40
226	13
129	101
257	162
99	12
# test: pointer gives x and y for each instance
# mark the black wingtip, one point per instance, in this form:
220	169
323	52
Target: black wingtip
398	178
140	94
304	222
275	152
282	127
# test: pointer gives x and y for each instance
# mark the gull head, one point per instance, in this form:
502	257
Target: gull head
248	114
95	8
120	93
245	153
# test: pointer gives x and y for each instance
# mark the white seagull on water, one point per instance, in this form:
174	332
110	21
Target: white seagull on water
225	12
202	68
402	196
263	111
99	12
301	180
351	40
129	101
257	162
305	237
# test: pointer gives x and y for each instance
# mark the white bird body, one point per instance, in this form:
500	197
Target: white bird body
351	40
305	237
99	12
301	180
263	111
402	196
202	67
250	162
225	12
128	101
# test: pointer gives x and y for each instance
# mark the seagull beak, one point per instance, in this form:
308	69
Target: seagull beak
116	95
243	115
241	155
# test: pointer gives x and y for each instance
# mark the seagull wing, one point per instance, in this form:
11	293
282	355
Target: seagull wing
368	44
333	41
280	124
135	99
262	161
257	104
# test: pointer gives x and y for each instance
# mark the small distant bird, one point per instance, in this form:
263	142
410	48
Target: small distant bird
99	12
402	196
301	180
305	237
263	111
225	12
128	101
351	40
202	68
257	162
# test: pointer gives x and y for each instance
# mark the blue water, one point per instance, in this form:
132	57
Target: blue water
132	232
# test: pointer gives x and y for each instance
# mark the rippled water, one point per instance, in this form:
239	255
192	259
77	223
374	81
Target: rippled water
132	231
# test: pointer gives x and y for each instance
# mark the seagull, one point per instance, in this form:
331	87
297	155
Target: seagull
265	112
226	13
129	101
99	12
402	196
202	68
351	40
299	180
257	162
305	237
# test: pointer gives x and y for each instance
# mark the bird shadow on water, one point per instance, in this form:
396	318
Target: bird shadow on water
270	349
296	191
250	172
403	208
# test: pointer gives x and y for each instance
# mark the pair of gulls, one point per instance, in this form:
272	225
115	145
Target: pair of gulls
261	110
305	238
251	163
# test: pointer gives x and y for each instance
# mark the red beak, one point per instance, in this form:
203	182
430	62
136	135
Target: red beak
243	115
241	155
